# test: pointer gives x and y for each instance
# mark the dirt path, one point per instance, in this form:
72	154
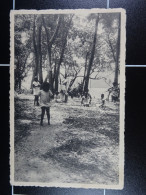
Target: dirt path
80	145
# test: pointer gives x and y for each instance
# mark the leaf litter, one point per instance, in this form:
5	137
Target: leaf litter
81	144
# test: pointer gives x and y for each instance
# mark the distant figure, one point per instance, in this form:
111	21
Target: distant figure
109	92
115	92
36	89
57	97
102	101
86	99
45	98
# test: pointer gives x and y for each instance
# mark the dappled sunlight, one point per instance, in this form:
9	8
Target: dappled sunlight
80	139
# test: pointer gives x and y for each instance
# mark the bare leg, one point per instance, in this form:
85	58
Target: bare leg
48	114
37	100
34	100
42	115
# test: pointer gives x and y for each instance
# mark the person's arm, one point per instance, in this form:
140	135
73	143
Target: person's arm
50	93
33	85
39	84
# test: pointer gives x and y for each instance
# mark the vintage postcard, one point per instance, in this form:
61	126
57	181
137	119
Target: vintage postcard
67	91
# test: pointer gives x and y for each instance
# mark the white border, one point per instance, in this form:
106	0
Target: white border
122	99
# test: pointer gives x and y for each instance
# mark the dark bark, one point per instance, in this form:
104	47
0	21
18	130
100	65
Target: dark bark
58	66
85	71
53	77
91	56
112	49
49	46
62	54
35	70
117	53
71	83
19	84
39	50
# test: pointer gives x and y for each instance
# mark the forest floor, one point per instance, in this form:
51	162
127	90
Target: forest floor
80	146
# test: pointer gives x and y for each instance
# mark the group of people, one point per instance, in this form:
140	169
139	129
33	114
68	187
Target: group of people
43	91
86	99
114	91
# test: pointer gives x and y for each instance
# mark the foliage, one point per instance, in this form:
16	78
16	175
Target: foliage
66	46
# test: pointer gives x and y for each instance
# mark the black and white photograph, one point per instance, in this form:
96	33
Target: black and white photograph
67	98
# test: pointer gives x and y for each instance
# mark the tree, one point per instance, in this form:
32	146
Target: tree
50	38
67	46
66	27
92	55
117	53
23	48
112	30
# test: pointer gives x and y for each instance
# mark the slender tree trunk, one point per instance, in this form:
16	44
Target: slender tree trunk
71	83
39	34
35	68
92	56
56	80
117	53
53	77
85	71
62	54
49	46
19	84
58	66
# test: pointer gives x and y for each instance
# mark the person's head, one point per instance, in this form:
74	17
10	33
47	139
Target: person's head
57	93
102	96
46	86
36	78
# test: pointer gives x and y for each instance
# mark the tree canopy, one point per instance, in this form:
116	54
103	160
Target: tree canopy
67	46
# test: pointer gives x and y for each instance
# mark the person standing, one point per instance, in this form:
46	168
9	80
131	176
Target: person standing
45	101
102	101
36	89
86	99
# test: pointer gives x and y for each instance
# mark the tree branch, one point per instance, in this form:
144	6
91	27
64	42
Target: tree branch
55	32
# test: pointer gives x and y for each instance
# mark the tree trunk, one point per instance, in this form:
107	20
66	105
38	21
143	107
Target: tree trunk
117	53
71	83
35	70
85	71
53	76
58	66
19	84
92	56
49	46
39	49
61	55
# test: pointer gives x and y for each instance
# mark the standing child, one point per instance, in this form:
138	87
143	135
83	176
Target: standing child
45	98
36	89
86	99
102	101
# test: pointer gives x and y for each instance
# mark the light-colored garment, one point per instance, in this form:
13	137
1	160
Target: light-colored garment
86	100
115	92
58	98
45	98
36	87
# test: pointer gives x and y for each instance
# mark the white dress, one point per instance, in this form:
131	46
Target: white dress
36	87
